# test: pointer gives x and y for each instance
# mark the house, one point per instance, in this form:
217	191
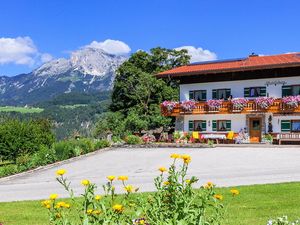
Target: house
255	95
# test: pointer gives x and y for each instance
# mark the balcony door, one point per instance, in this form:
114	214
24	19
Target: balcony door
255	129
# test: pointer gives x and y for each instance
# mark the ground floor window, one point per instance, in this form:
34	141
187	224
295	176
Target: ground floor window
290	125
221	125
295	126
197	125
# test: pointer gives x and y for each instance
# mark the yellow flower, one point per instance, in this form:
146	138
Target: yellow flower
234	192
188	181
218	196
67	206
118	208
96	212
123	178
62	205
186	158
113	188
175	156
162	169
53	196
129	188
98	197
85	182
208	185
46	204
60	172
58	215
89	211
166	183
110	178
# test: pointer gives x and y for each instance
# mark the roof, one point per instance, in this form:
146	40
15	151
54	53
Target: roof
253	62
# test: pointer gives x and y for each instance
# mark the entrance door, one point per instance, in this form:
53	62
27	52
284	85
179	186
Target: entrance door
255	130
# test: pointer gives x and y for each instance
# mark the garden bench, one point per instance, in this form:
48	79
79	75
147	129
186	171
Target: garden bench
288	137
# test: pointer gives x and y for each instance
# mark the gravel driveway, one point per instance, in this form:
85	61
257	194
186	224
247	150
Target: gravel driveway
224	166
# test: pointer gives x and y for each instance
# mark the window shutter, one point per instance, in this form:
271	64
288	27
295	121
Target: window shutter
203	125
191	95
263	91
286	91
214	94
228	93
203	96
246	92
228	125
214	125
191	125
285	125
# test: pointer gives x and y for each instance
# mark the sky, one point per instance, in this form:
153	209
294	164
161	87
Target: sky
33	31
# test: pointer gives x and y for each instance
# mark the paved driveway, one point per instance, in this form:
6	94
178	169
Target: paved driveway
224	166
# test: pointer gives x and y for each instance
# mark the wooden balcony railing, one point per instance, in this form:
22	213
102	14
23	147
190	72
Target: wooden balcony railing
227	108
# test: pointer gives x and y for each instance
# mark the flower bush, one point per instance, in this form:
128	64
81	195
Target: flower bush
215	104
292	101
148	138
188	105
176	201
264	102
239	103
169	105
282	221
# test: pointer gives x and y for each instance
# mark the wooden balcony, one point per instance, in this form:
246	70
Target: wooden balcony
227	108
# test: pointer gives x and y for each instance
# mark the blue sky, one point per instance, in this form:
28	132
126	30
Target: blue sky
230	29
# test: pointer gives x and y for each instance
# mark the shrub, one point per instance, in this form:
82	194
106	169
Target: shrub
102	144
8	170
43	157
64	149
85	144
133	140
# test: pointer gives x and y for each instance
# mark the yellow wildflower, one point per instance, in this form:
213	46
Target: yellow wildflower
129	188
60	172
89	211
166	183
98	197
53	196
113	188
85	182
96	212
46	204
234	192
67	206
111	178
123	178
186	158
162	169
60	205
218	196
175	156
188	181
118	208
208	185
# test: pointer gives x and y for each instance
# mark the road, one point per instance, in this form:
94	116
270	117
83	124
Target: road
224	166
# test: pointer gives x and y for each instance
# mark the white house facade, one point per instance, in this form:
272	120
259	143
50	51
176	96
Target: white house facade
257	95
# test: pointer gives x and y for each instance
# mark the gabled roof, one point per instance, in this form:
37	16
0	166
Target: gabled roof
253	62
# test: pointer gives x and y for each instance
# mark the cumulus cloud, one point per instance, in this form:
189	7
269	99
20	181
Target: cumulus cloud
46	57
21	51
114	47
199	54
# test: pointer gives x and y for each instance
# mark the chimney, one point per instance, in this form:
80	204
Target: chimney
253	55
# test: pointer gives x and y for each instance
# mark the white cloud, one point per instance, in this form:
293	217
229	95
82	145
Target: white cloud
46	57
21	51
114	47
199	54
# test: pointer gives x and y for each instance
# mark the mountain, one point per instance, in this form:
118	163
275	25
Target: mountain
87	70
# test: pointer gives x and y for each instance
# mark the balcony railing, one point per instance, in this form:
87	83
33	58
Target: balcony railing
228	108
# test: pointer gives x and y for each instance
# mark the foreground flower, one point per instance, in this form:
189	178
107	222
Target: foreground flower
188	181
186	158
53	196
60	172
123	178
89	211
118	208
175	156
234	192
129	188
98	197
208	185
85	182
166	183
62	205
111	178
218	196
162	169
46	204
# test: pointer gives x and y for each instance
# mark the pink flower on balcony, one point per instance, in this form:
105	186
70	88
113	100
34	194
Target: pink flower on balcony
188	105
239	103
169	105
264	102
292	101
215	104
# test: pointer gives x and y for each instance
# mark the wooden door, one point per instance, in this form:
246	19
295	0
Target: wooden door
255	130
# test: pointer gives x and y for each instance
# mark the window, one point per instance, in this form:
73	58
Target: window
255	91
221	94
290	90
198	95
221	125
295	125
197	125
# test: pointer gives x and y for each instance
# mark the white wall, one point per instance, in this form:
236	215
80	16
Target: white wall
277	121
237	87
238	121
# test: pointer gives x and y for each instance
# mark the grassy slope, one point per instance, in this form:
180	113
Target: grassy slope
254	206
20	109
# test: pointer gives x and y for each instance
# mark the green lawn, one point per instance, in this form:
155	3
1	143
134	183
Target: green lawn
20	109
254	206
